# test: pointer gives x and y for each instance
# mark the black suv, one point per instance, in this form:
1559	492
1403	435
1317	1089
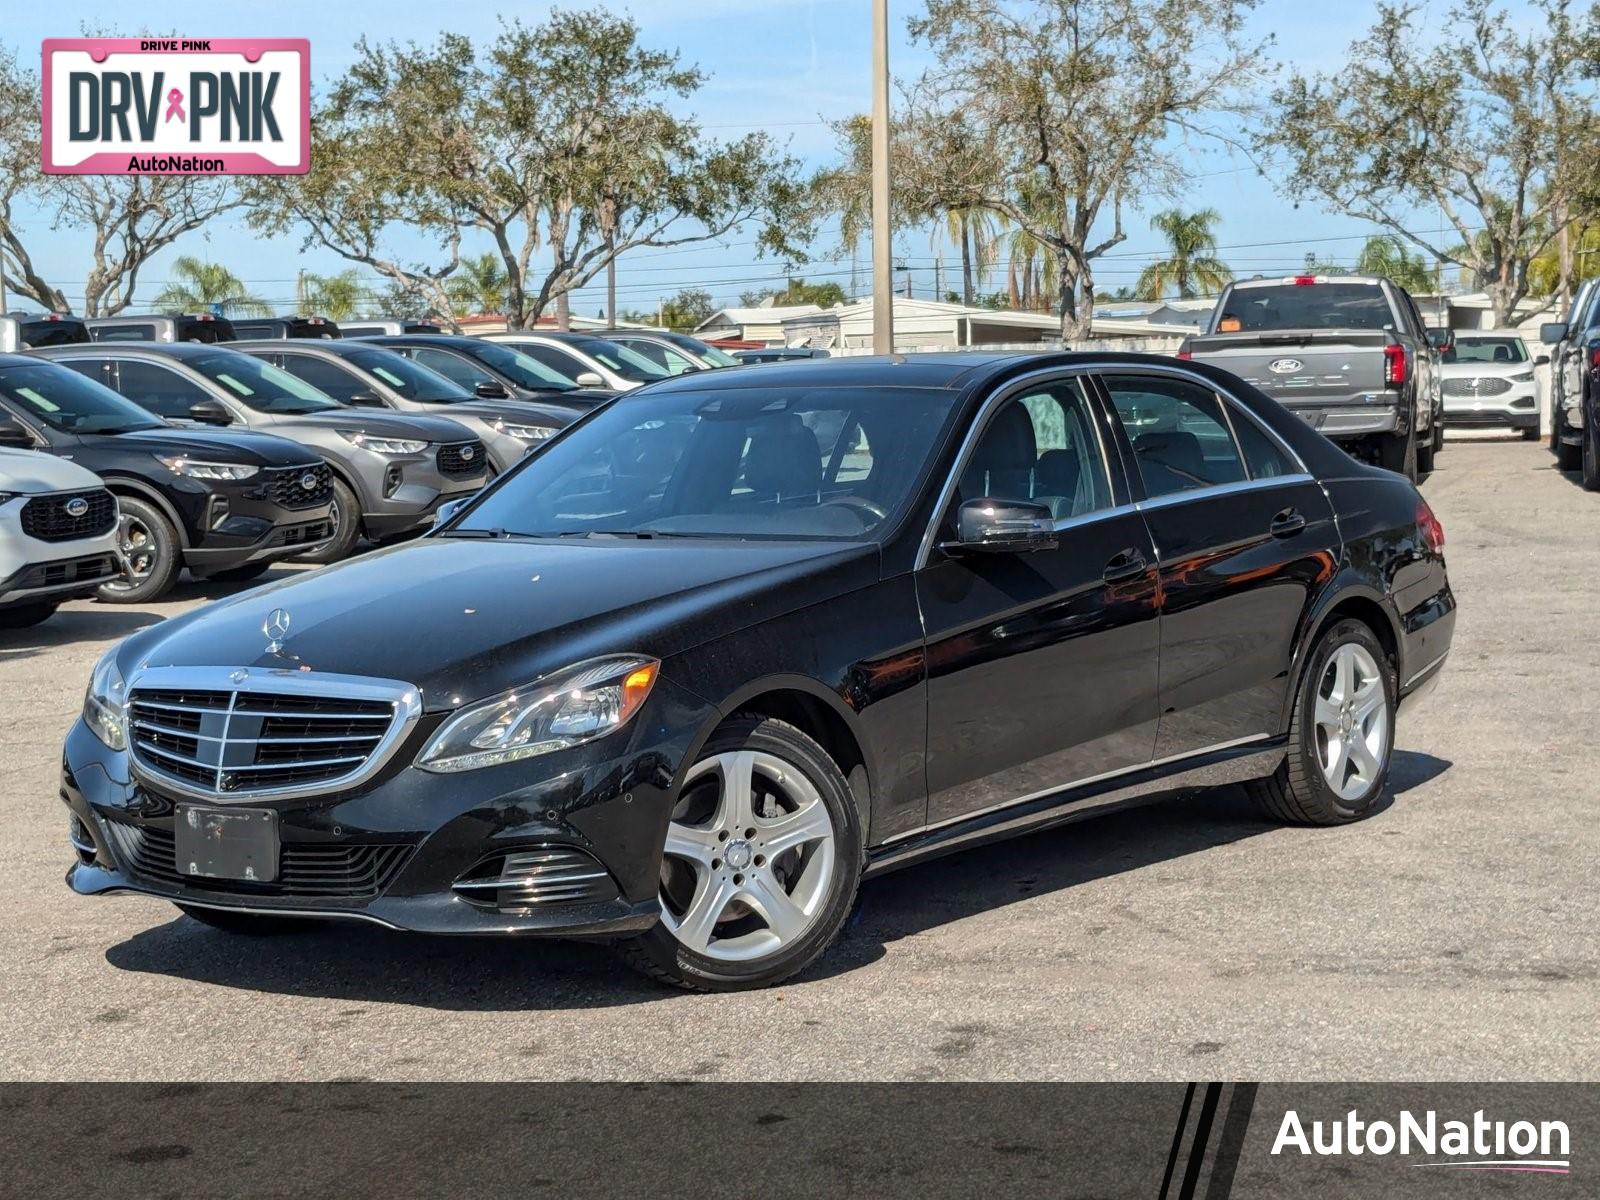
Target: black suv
226	505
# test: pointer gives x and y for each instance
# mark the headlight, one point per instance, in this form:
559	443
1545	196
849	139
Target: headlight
523	433
104	704
1523	376
382	445
195	469
576	705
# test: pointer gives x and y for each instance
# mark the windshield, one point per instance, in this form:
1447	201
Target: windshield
407	378
260	385
1309	306
832	463
635	368
521	369
709	353
65	400
1487	350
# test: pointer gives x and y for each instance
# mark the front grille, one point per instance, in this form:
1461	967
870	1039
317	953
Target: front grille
1487	386
48	519
92	568
287	485
311	870
251	740
461	460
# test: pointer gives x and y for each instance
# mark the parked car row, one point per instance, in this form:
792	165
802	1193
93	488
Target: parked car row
1575	384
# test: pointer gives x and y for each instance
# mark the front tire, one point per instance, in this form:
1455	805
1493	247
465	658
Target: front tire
246	924
762	861
1341	737
345	513
152	551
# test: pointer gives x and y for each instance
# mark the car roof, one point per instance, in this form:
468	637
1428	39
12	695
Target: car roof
337	347
459	340
165	349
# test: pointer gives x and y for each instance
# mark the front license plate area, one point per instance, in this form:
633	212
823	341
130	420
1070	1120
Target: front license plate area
226	843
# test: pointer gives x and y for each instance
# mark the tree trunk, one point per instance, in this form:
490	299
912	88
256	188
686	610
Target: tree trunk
966	261
1070	328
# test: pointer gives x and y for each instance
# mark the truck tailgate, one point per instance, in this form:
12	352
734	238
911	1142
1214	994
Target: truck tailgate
1302	368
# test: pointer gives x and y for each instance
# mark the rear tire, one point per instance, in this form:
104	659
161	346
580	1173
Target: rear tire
345	513
1425	458
25	616
1398	453
247	924
1342	733
152	550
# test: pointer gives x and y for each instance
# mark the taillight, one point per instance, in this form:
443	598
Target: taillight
1428	526
1184	353
1594	356
1394	365
1304	280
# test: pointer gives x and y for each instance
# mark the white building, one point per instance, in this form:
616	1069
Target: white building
936	325
763	323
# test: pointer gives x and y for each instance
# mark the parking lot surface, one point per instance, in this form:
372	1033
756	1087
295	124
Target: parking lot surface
1451	936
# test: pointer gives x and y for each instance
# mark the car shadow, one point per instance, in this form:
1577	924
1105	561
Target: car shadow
101	623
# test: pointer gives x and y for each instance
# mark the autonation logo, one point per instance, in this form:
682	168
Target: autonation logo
1480	1144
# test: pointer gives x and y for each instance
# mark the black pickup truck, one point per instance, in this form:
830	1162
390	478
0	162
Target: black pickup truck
1348	353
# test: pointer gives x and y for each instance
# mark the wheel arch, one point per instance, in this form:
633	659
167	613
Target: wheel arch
124	485
1357	600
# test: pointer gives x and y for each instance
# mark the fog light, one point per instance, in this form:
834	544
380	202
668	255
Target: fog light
82	841
391	481
537	877
219	512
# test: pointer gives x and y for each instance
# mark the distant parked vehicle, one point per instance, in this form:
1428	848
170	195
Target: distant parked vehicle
382	326
24	331
492	371
1487	381
585	359
163	327
390	470
1575	384
1348	353
225	504
356	372
286	327
58	535
674	353
773	354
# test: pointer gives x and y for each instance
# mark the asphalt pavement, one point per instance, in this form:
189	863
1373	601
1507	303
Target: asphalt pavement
1451	936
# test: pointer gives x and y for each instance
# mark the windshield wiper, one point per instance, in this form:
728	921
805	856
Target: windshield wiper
474	533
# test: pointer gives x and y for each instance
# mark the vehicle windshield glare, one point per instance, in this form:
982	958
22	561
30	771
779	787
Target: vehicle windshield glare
712	355
406	377
522	370
1310	306
766	463
260	385
1487	350
65	400
632	366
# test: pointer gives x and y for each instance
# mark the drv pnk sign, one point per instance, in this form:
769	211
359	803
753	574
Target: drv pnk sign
177	106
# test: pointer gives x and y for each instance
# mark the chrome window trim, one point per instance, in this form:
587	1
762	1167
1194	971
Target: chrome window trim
1078	783
1265	483
406	698
969	442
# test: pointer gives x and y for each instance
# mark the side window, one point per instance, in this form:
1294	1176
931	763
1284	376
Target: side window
1262	455
327	378
1178	433
559	361
97	369
1040	447
452	366
158	389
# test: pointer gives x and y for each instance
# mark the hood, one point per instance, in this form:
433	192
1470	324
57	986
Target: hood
33	471
218	445
579	400
463	618
1483	370
383	423
522	412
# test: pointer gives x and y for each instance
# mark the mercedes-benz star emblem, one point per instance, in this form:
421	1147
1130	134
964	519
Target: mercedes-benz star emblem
309	481
276	627
77	507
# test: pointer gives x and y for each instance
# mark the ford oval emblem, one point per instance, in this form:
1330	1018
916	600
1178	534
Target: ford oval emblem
467	453
1285	366
77	507
309	481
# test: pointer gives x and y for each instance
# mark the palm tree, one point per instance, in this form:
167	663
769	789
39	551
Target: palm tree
196	286
479	284
977	232
1033	278
337	297
1385	254
1193	266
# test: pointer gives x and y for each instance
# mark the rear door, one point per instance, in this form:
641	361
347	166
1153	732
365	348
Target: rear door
1041	665
1244	539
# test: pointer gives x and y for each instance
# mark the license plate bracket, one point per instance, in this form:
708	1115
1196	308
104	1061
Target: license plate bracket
226	843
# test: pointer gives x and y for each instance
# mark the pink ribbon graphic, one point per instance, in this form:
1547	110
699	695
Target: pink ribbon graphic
175	105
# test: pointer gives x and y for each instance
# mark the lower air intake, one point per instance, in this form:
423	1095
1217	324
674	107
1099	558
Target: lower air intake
537	878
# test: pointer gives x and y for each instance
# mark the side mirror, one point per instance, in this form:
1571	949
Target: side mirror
1541	360
1552	332
210	412
1441	339
489	390
14	435
588	379
1003	527
365	400
449	509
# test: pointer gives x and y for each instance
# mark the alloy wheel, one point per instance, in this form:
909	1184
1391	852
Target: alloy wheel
749	857
139	550
1352	721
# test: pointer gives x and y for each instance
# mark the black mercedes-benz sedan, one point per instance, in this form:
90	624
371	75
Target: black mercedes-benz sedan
737	640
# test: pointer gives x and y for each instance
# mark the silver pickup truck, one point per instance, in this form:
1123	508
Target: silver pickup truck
1349	353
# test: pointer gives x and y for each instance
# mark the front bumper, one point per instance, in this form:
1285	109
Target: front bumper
36	568
231	524
1346	420
608	801
402	492
1516	409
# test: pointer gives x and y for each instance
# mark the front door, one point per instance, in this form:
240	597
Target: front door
1246	539
1041	665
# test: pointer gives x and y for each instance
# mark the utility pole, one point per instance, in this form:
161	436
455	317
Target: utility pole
611	290
882	255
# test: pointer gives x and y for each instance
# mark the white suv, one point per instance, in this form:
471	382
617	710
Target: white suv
58	535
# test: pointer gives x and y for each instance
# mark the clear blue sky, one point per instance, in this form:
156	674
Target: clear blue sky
787	66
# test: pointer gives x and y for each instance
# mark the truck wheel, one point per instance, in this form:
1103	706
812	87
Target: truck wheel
154	556
345	513
1568	457
1425	457
1398	452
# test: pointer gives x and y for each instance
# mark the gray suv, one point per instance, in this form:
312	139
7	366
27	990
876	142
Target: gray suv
391	470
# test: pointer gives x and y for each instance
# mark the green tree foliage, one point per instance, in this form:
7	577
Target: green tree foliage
798	291
1387	255
479	285
687	309
1192	266
196	285
337	297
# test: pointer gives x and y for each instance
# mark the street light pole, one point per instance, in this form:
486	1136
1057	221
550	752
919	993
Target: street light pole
882	258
